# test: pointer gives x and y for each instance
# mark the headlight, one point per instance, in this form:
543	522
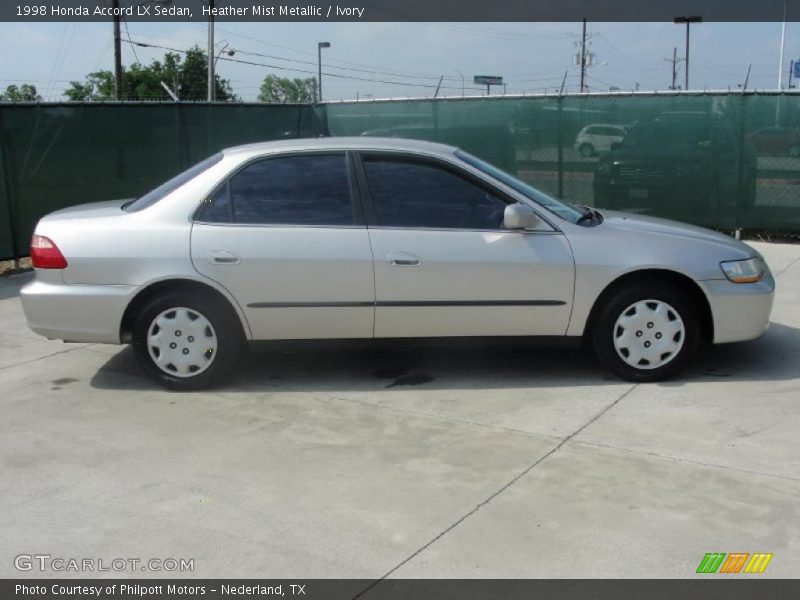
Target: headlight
744	271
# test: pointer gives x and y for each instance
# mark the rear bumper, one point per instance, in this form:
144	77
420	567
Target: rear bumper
76	313
740	310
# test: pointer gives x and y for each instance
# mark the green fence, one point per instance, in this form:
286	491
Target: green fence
52	156
719	160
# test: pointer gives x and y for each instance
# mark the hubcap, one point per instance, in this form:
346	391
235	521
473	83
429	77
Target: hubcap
648	334
182	342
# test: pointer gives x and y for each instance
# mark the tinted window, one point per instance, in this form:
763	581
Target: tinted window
290	190
556	206
416	194
217	209
173	184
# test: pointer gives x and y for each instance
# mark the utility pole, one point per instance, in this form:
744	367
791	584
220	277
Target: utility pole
583	57
211	79
117	52
674	60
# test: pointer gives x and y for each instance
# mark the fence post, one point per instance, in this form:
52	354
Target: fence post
179	137
742	200
560	147
5	175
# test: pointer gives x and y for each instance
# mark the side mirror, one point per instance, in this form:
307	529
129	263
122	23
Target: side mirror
519	216
616	145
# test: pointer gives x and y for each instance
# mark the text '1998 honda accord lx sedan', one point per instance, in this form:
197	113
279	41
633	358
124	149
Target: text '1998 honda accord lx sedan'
348	238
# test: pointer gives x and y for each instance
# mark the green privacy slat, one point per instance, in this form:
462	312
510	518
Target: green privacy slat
718	160
61	155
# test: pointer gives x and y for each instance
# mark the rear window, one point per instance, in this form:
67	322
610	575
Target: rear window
173	184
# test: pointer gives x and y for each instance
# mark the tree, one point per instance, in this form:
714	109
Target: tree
194	79
187	76
281	90
24	93
98	86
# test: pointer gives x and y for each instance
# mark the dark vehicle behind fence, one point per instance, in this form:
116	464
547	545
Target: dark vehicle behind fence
691	164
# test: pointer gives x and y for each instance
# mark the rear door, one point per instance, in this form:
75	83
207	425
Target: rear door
444	263
286	236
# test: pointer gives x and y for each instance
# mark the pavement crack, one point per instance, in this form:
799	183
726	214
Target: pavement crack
787	267
682	459
33	360
496	493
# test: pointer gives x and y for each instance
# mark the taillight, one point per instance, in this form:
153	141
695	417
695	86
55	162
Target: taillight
45	254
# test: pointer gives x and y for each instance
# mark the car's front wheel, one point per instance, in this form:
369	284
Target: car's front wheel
647	331
186	341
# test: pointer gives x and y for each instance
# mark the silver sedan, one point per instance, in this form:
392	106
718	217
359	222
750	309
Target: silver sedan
365	238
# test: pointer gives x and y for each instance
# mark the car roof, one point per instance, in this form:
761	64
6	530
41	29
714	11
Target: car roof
342	143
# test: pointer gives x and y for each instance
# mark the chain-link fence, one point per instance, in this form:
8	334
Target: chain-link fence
52	155
719	160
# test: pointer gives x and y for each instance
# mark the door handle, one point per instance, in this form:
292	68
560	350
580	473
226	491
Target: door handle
222	257
403	259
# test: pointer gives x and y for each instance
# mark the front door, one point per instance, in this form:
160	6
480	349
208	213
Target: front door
446	266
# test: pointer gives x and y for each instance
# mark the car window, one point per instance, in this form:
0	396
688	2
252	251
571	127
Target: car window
288	190
557	207
173	184
410	193
217	208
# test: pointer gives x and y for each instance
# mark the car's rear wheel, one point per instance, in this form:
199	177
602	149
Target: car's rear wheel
647	331
794	151
187	341
586	150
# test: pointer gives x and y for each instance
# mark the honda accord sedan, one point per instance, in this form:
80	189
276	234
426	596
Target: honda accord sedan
369	238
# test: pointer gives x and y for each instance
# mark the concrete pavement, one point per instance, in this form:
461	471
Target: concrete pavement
404	463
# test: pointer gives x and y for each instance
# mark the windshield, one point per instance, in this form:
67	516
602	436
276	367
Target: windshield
659	134
170	186
557	207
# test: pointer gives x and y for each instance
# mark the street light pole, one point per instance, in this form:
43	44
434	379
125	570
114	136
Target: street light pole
320	46
211	86
783	45
688	21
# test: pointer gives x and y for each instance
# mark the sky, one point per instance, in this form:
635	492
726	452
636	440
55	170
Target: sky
397	60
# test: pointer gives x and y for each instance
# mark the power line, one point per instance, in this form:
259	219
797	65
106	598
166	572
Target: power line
296	70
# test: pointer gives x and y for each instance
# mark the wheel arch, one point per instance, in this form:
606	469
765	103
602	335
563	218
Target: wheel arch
683	282
177	284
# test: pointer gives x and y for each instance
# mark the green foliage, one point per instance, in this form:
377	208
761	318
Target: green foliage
24	93
187	75
281	90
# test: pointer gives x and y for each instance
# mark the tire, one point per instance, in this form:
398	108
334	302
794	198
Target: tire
621	331
794	151
203	340
586	150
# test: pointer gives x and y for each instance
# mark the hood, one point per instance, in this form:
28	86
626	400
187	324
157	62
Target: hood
622	222
109	208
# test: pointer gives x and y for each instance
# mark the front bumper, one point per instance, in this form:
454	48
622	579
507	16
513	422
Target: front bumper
76	313
740	310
